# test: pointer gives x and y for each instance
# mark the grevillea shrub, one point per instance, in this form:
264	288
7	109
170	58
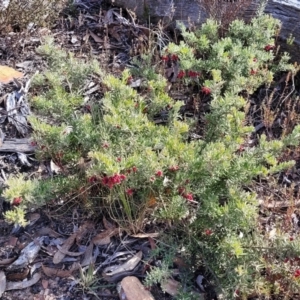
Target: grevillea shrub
115	156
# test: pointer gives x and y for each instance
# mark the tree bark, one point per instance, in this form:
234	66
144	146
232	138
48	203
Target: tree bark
191	12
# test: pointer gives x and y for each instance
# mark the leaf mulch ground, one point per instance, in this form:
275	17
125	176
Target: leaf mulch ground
65	237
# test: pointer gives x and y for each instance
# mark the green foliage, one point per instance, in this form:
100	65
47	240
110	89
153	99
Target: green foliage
136	168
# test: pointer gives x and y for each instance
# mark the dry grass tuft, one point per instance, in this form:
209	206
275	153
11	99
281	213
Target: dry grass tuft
225	11
16	15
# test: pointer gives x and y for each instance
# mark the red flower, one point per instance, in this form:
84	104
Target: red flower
119	159
159	173
17	201
33	143
111	181
134	169
152	178
206	90
93	179
129	192
253	72
122	177
291	238
255	59
286	260
208	231
193	74
269	48
297	273
188	196
174	57
181	74
105	145
165	58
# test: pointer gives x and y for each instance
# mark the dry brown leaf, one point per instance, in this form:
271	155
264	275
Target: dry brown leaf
95	37
179	261
7	261
23	284
107	224
45	283
12	241
83	229
8	74
103	238
62	250
60	273
59	256
18	276
48	231
88	256
152	243
2	283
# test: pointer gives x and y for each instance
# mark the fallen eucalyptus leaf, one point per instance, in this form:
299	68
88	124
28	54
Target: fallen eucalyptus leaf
127	266
27	255
2	283
59	255
23	284
60	273
88	256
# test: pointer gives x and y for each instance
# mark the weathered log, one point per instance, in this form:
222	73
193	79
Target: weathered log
17	145
192	12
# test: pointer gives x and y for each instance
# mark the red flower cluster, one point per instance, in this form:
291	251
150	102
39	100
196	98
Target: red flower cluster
269	48
111	181
167	58
297	273
191	74
159	173
93	179
105	145
208	231
17	201
129	192
187	196
253	72
206	90
292	260
181	74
